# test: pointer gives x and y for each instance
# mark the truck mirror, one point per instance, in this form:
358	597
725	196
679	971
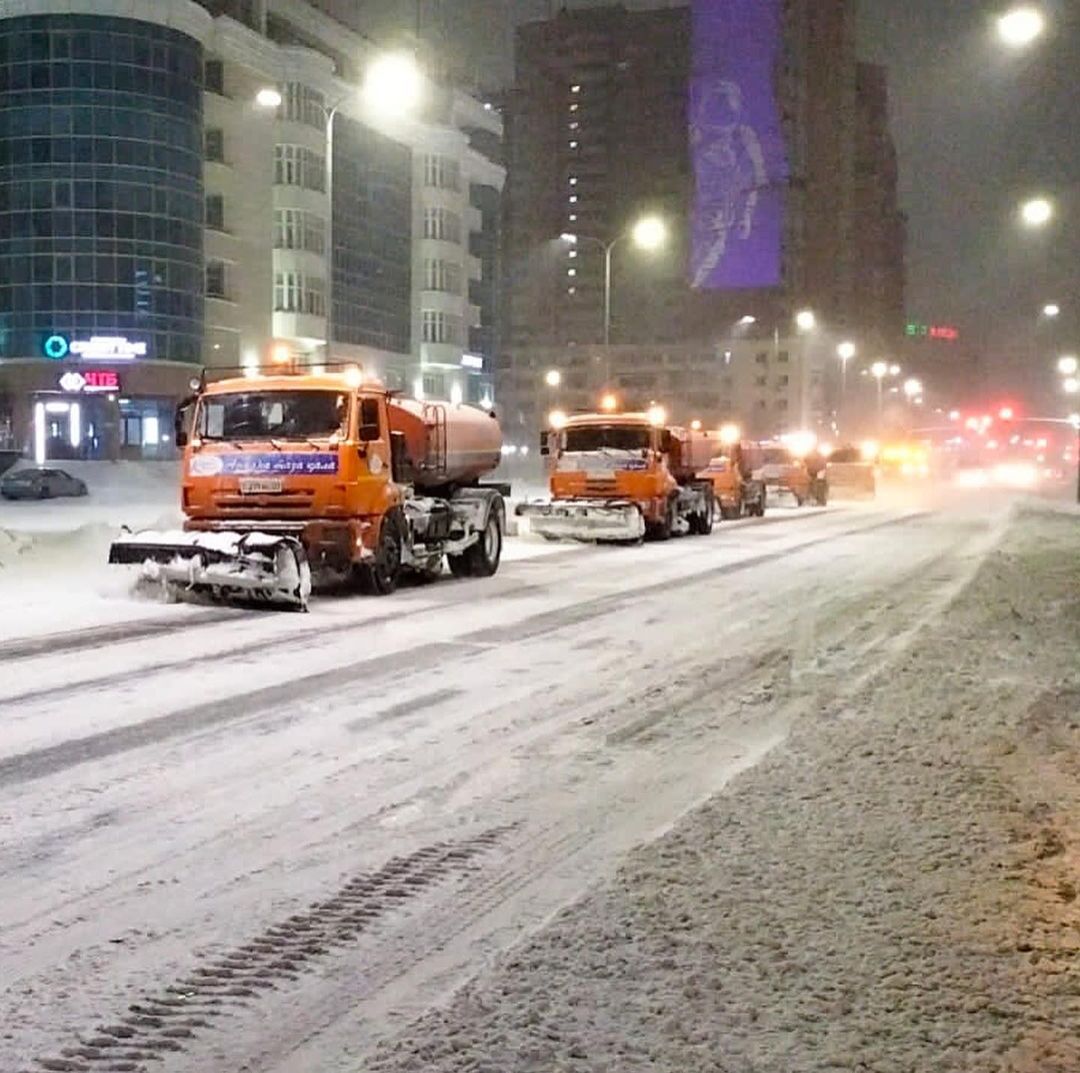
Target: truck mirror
545	445
665	442
368	433
369	420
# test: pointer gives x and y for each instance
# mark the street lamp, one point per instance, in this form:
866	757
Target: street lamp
748	321
1071	385
879	370
1068	365
1037	212
553	378
913	388
268	97
1019	27
648	233
805	320
1051	310
393	84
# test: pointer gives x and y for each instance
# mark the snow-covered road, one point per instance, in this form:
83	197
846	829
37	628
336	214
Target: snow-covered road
234	840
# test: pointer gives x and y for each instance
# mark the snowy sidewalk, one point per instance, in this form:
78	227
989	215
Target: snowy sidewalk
894	890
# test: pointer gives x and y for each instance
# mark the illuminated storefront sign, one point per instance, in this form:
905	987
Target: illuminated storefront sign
472	361
93	380
96	348
942	332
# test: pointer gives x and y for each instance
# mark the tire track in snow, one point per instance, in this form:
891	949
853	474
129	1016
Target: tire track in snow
160	1024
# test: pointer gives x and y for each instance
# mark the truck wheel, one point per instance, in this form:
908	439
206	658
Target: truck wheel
380	576
662	530
482	558
702	524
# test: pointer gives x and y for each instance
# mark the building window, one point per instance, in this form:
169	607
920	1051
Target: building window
298	230
296	165
302	104
214	145
761	358
215	212
782	381
441	172
442	276
214	77
760	381
783	357
439	327
781	404
296	293
433	386
217	279
442	225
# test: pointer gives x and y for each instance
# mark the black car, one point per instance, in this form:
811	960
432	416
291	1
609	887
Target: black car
40	483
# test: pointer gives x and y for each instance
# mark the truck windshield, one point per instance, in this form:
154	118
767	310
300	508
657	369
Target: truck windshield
612	437
279	415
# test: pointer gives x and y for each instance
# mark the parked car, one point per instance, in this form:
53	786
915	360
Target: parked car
40	483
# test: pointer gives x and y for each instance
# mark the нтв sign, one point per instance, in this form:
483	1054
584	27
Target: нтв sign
92	380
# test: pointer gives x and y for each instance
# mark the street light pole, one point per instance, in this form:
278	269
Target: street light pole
609	248
329	259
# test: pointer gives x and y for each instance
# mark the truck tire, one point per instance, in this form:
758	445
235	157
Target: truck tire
663	529
380	576
732	514
482	558
701	524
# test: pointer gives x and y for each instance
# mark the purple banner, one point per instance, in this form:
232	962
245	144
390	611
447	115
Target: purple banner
740	161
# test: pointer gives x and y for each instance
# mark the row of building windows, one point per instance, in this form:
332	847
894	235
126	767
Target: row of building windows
442	225
98	116
296	165
125	226
441	172
105	195
39	305
133	271
21	78
442	276
302	104
439	327
295	229
295	292
122	152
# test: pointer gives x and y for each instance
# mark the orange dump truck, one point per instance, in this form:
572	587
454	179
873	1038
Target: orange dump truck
288	474
622	477
737	491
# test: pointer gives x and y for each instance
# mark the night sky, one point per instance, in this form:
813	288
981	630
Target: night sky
977	129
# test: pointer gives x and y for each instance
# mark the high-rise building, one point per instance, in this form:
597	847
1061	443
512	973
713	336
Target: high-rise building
734	121
158	214
880	236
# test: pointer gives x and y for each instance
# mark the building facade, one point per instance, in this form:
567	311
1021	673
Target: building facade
156	220
604	124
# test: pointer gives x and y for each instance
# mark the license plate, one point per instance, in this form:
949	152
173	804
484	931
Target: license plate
255	486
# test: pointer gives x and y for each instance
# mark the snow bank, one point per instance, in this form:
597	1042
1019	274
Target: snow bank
895	889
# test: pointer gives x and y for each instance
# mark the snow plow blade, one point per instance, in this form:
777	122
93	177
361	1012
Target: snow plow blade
584	520
230	567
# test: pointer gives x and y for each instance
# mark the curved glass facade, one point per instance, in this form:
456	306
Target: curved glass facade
101	194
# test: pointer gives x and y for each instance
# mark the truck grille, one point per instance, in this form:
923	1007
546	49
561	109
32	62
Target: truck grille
274	505
600	486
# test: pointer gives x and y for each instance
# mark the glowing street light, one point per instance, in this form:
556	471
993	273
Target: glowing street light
1037	212
1068	365
730	435
747	321
268	97
894	370
553	378
1021	26
913	388
649	233
393	84
846	351
1071	386
1051	310
805	320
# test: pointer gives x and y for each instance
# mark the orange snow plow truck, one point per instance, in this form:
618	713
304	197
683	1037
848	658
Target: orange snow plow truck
620	477
286	475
